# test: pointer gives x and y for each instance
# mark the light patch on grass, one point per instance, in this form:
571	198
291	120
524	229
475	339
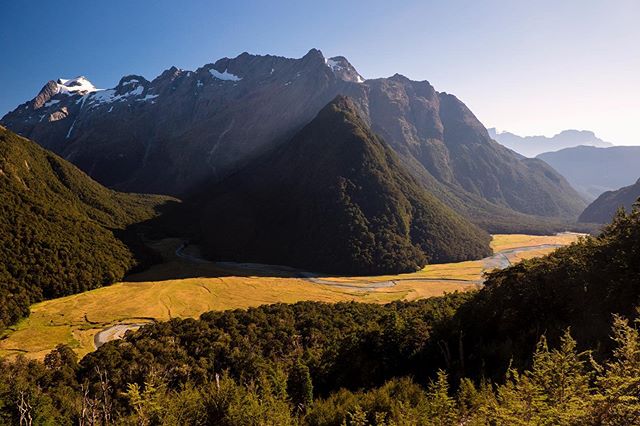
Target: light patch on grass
501	242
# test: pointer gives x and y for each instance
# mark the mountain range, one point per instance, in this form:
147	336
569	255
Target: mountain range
532	146
335	198
592	170
185	129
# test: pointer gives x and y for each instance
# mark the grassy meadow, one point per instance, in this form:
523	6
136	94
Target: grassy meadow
186	288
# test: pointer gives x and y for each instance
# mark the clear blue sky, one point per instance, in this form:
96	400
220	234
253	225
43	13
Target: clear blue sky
531	67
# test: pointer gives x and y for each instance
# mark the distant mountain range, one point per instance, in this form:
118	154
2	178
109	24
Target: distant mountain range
605	206
531	146
335	198
593	170
183	129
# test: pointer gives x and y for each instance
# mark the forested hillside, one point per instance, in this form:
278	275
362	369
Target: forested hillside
335	198
578	287
442	361
61	232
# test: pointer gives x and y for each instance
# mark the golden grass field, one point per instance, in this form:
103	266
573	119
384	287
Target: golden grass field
183	288
502	242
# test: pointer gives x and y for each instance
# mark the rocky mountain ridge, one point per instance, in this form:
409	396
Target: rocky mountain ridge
183	128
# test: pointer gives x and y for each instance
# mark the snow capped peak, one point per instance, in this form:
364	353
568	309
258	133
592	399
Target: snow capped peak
78	85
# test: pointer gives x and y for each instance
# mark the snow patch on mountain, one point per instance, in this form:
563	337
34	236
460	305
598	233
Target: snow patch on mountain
333	64
343	69
226	76
109	96
78	85
148	98
51	102
135	92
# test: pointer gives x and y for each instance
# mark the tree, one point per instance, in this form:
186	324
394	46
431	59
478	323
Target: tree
300	386
441	408
617	400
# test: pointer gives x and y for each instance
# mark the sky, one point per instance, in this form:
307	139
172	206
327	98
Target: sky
530	67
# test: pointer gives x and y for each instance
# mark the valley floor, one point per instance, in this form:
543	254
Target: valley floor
185	285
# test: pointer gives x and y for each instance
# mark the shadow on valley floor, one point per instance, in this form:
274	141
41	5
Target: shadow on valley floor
177	259
164	252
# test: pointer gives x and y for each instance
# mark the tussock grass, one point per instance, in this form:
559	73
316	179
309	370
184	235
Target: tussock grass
195	288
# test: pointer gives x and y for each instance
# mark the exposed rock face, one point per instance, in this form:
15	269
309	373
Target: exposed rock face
604	207
185	127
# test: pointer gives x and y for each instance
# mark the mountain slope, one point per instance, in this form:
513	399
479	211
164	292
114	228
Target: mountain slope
593	171
482	166
58	228
604	208
532	146
335	198
194	126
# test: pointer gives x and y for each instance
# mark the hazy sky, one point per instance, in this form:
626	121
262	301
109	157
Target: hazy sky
530	67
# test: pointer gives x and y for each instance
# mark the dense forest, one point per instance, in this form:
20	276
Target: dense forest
335	199
553	340
60	232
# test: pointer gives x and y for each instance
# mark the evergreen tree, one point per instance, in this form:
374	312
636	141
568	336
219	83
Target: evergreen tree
300	386
617	401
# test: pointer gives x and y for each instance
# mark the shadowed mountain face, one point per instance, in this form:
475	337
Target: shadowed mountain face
60	232
605	206
185	127
531	146
593	171
335	198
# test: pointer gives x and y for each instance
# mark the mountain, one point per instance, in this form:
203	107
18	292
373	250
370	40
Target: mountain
604	208
60	232
531	146
335	198
183	128
593	170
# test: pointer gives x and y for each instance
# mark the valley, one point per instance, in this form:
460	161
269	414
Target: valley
210	216
185	286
